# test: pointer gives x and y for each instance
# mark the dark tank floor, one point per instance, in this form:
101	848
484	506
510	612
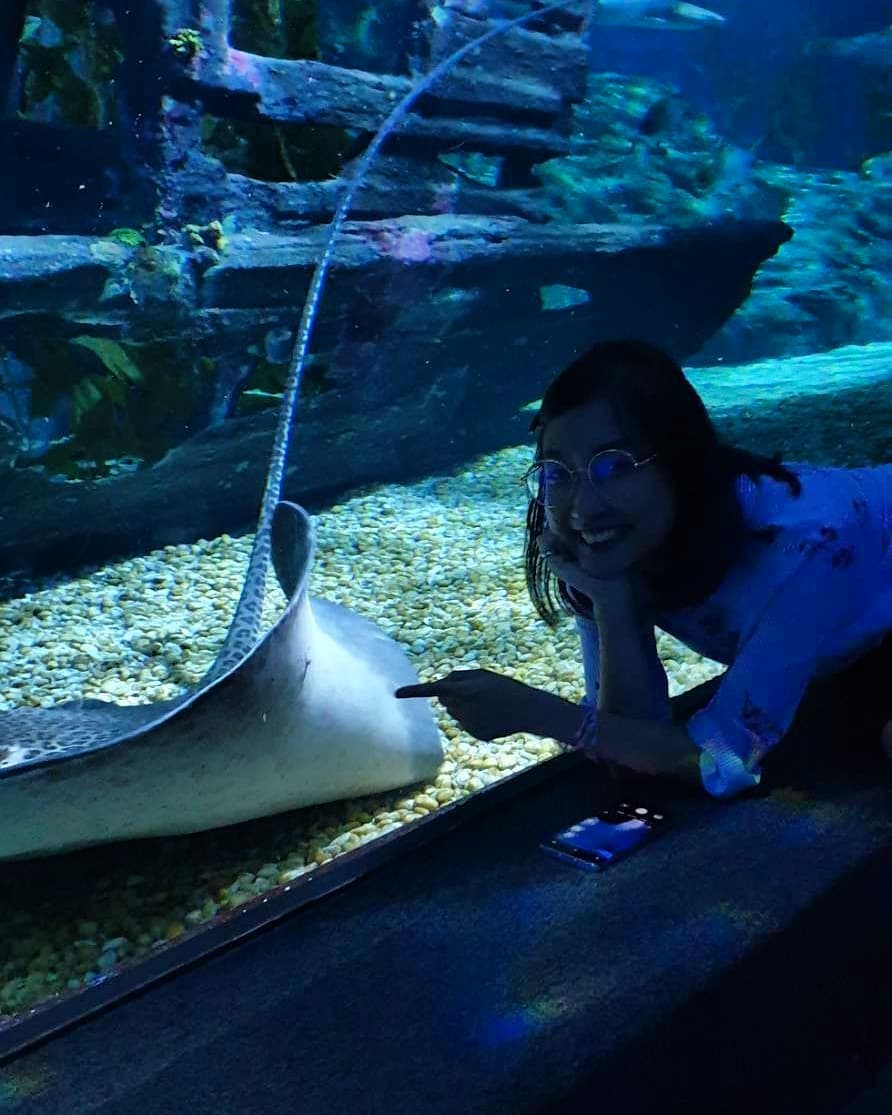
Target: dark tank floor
740	962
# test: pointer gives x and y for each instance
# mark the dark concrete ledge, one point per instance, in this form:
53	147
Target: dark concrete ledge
739	958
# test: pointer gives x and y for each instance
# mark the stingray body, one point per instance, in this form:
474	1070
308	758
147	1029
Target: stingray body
309	716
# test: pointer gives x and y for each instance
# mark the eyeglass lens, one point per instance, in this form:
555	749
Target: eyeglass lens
555	480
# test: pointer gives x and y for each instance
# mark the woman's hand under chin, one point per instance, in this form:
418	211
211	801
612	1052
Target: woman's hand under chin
626	589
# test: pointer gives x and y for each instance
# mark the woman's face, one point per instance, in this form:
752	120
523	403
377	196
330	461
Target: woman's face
641	504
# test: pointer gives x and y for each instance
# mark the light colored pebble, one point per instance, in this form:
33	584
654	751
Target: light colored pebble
292	873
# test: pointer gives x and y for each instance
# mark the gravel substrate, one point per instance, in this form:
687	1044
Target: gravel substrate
436	564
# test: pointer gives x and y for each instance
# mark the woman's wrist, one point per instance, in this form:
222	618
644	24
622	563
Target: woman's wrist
555	718
624	601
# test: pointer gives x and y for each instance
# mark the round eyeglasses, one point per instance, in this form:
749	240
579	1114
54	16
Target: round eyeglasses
551	482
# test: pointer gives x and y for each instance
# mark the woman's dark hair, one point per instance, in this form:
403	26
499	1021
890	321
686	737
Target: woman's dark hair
650	394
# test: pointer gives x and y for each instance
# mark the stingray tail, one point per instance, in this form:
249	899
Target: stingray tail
245	625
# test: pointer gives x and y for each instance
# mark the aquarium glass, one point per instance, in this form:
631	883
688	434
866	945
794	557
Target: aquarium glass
206	237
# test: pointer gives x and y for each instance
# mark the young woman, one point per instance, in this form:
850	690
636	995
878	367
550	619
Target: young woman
639	516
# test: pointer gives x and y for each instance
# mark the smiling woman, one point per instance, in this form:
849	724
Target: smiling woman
624	510
641	516
629	395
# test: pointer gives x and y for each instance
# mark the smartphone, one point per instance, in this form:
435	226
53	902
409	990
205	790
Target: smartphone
596	843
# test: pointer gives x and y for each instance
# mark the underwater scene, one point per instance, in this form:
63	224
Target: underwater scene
282	284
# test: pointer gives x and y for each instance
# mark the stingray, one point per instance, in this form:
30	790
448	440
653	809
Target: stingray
304	714
308	716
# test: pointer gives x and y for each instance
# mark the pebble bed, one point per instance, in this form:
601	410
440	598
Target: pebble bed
436	564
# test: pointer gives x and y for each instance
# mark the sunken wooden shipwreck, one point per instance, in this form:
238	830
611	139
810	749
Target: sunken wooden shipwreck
451	302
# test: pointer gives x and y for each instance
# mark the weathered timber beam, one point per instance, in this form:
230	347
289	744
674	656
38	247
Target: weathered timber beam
264	204
306	92
519	54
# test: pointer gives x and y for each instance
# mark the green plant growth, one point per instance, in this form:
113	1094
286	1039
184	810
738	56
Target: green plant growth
187	43
112	384
275	152
279	28
70	55
129	237
210	235
126	400
266	384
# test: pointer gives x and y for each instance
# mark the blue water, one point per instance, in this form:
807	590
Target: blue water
165	192
743	73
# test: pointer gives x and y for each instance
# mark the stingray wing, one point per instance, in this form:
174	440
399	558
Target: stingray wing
33	737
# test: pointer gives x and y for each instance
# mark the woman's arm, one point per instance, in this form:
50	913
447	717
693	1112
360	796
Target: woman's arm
490	705
680	707
625	677
637	727
647	746
632	681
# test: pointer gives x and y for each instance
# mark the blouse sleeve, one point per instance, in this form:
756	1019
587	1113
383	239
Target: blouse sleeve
829	582
591	664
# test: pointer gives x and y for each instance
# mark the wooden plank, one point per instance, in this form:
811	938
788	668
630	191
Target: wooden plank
518	54
306	92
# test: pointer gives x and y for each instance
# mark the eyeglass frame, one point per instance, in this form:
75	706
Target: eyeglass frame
636	464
